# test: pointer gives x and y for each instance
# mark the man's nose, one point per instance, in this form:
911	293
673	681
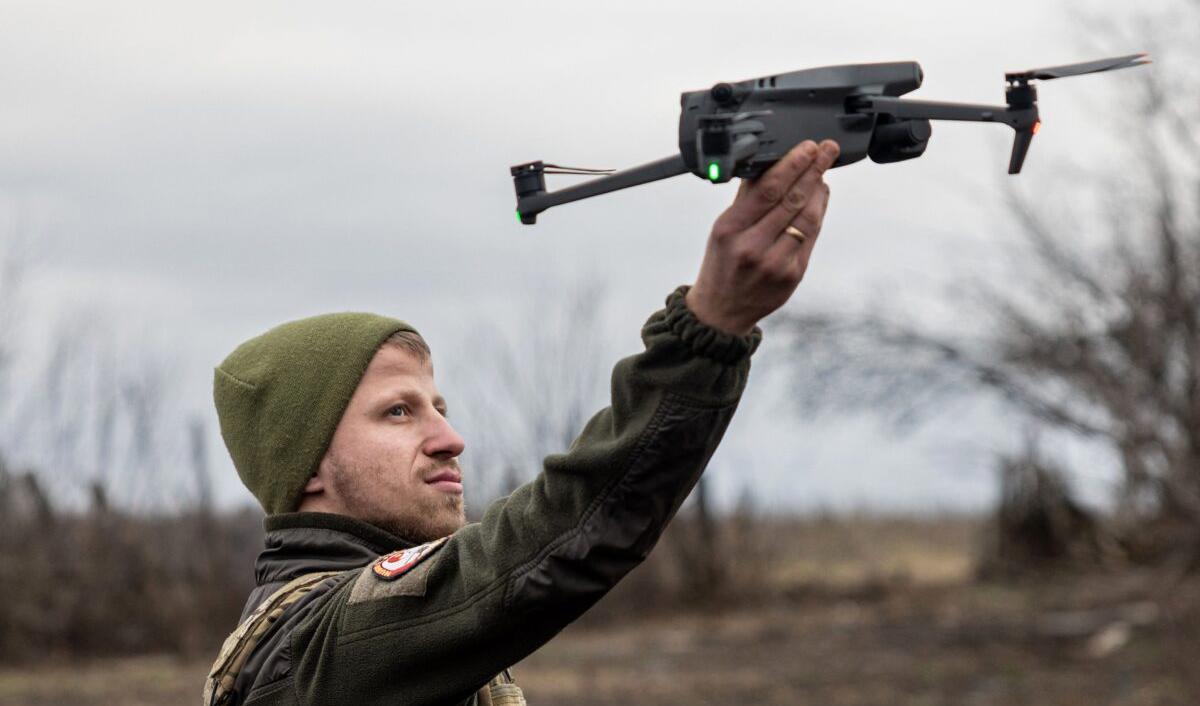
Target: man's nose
443	441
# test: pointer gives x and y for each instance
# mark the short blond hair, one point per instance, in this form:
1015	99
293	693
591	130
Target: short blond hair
411	342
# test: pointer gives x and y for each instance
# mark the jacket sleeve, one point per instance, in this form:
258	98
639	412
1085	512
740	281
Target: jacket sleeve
500	588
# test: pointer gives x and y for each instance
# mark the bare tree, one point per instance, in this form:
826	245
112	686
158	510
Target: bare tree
12	272
527	393
1099	342
96	423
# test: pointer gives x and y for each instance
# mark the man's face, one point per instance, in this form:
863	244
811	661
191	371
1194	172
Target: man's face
393	460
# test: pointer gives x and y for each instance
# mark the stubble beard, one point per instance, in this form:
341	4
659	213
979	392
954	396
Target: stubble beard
419	520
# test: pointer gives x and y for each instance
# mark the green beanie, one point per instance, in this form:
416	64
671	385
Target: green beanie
280	397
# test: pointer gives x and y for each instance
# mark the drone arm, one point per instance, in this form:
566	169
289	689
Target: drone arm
1022	119
535	201
938	110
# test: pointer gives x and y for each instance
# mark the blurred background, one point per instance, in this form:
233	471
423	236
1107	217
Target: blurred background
967	467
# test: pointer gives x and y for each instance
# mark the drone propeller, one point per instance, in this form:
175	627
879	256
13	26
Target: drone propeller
577	171
1087	67
1021	97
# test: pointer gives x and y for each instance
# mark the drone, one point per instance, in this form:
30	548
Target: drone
741	129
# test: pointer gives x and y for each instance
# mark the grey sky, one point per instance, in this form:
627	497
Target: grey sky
200	172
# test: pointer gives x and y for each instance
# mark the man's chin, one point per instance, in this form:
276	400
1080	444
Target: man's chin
435	523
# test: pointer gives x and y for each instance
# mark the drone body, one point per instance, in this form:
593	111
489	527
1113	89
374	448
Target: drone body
741	129
816	103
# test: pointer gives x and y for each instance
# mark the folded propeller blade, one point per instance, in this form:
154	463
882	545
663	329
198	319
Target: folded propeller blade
1087	67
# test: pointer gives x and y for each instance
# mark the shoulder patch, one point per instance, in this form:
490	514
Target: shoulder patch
371	585
396	564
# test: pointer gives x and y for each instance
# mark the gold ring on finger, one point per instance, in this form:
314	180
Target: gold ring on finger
795	233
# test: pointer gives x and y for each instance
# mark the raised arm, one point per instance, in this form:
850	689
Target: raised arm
499	589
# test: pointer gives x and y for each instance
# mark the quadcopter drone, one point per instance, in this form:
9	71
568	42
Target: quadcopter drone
741	129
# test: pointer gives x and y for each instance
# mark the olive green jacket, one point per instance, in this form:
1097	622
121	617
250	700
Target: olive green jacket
498	589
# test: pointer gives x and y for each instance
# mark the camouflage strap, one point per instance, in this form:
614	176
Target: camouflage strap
238	646
501	691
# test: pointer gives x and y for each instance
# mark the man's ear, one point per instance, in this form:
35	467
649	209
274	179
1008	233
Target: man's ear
318	492
316	484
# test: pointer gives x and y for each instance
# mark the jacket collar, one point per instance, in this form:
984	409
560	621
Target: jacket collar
305	542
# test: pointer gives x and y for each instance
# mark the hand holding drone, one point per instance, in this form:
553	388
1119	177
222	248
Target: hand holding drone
741	129
759	248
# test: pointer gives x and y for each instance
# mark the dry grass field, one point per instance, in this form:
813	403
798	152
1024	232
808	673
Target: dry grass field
860	612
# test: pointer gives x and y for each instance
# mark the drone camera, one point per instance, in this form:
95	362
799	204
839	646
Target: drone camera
898	140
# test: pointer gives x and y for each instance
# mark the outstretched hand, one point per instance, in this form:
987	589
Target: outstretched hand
759	247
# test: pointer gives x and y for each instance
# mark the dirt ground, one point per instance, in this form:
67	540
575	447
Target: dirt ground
889	616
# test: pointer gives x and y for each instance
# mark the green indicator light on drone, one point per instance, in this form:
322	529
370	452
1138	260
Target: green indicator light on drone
714	171
519	217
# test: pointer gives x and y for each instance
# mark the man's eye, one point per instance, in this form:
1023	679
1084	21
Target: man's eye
398	410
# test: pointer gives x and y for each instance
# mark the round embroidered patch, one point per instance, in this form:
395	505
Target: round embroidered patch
394	565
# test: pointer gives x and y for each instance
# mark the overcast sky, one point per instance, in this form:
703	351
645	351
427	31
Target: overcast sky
194	173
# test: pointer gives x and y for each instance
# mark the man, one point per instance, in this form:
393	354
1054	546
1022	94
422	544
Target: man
372	589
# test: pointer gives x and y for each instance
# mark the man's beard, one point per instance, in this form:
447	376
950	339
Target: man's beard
419	520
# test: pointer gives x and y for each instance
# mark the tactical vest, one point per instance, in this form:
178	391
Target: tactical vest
218	688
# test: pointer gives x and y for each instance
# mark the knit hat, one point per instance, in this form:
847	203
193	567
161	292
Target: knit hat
280	396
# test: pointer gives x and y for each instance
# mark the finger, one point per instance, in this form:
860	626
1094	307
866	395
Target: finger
812	218
821	205
822	208
762	194
788	248
799	196
814	215
812	222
